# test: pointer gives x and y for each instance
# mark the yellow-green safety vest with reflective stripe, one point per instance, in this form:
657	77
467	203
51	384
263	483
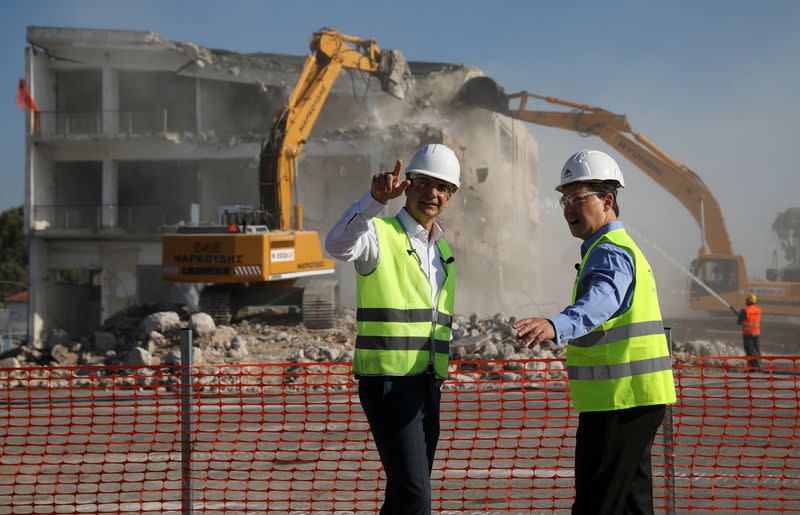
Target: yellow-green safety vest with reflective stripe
624	362
398	328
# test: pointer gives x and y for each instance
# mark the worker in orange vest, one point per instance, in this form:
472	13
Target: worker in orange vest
750	320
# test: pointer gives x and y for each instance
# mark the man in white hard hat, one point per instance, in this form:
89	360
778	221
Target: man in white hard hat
620	371
405	288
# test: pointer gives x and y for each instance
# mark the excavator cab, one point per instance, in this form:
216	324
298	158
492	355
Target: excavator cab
719	274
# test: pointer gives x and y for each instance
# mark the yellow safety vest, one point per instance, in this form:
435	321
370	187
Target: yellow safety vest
399	331
625	361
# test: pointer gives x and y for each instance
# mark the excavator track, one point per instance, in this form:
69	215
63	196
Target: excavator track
215	301
319	303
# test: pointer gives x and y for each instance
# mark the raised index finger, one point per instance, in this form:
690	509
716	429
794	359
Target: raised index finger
397	167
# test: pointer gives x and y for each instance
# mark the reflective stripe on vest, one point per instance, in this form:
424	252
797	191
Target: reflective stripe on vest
402	315
632	368
401	343
399	331
752	322
624	362
619	333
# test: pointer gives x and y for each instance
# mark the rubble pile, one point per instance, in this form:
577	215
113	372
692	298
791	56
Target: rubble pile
706	348
475	338
151	335
147	337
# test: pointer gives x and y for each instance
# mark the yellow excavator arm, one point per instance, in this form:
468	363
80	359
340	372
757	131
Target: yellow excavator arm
677	178
614	129
331	52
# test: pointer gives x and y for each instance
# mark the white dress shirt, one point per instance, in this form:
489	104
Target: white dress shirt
354	238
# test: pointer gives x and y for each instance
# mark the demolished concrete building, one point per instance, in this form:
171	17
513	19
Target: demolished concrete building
137	134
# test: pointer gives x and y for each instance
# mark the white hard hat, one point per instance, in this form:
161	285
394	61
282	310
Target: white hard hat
590	166
438	161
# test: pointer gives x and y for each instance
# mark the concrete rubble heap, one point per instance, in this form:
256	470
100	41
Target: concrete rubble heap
150	336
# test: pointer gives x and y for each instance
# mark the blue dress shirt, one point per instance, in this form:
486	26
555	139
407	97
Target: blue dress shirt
605	288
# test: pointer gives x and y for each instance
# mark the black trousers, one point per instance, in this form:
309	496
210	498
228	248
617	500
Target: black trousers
751	348
612	460
403	414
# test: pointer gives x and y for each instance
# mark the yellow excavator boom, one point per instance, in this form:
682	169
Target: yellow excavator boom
331	52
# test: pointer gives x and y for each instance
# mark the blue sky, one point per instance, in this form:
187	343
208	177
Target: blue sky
713	83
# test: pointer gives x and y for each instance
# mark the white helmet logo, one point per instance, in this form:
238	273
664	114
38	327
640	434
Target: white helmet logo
590	166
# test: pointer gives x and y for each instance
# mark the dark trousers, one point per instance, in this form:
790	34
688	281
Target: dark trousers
403	414
751	348
612	460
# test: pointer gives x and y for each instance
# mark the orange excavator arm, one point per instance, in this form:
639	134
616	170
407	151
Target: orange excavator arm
331	52
614	129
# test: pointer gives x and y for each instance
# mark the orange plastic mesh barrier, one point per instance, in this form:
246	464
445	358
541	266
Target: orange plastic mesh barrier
292	438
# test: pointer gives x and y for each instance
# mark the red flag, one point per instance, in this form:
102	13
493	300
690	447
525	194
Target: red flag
25	101
24	98
21	94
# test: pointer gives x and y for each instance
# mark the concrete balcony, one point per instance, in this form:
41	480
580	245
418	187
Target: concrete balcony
65	218
60	124
84	220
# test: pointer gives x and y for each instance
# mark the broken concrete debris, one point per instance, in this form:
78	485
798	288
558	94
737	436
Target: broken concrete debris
150	336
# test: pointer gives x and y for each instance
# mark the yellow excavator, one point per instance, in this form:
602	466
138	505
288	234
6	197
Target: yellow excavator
263	257
723	280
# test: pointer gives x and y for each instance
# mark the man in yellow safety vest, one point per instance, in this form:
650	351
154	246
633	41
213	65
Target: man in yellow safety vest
618	363
405	289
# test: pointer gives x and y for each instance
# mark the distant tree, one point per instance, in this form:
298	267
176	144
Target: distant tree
787	226
13	246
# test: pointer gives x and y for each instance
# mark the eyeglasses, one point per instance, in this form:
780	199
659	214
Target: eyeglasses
423	183
576	199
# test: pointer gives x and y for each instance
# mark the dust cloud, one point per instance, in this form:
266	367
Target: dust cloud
492	222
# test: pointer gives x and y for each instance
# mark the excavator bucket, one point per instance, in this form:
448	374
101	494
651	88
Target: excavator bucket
482	92
395	74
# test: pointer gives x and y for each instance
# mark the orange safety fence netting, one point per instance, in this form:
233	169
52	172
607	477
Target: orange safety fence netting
291	437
